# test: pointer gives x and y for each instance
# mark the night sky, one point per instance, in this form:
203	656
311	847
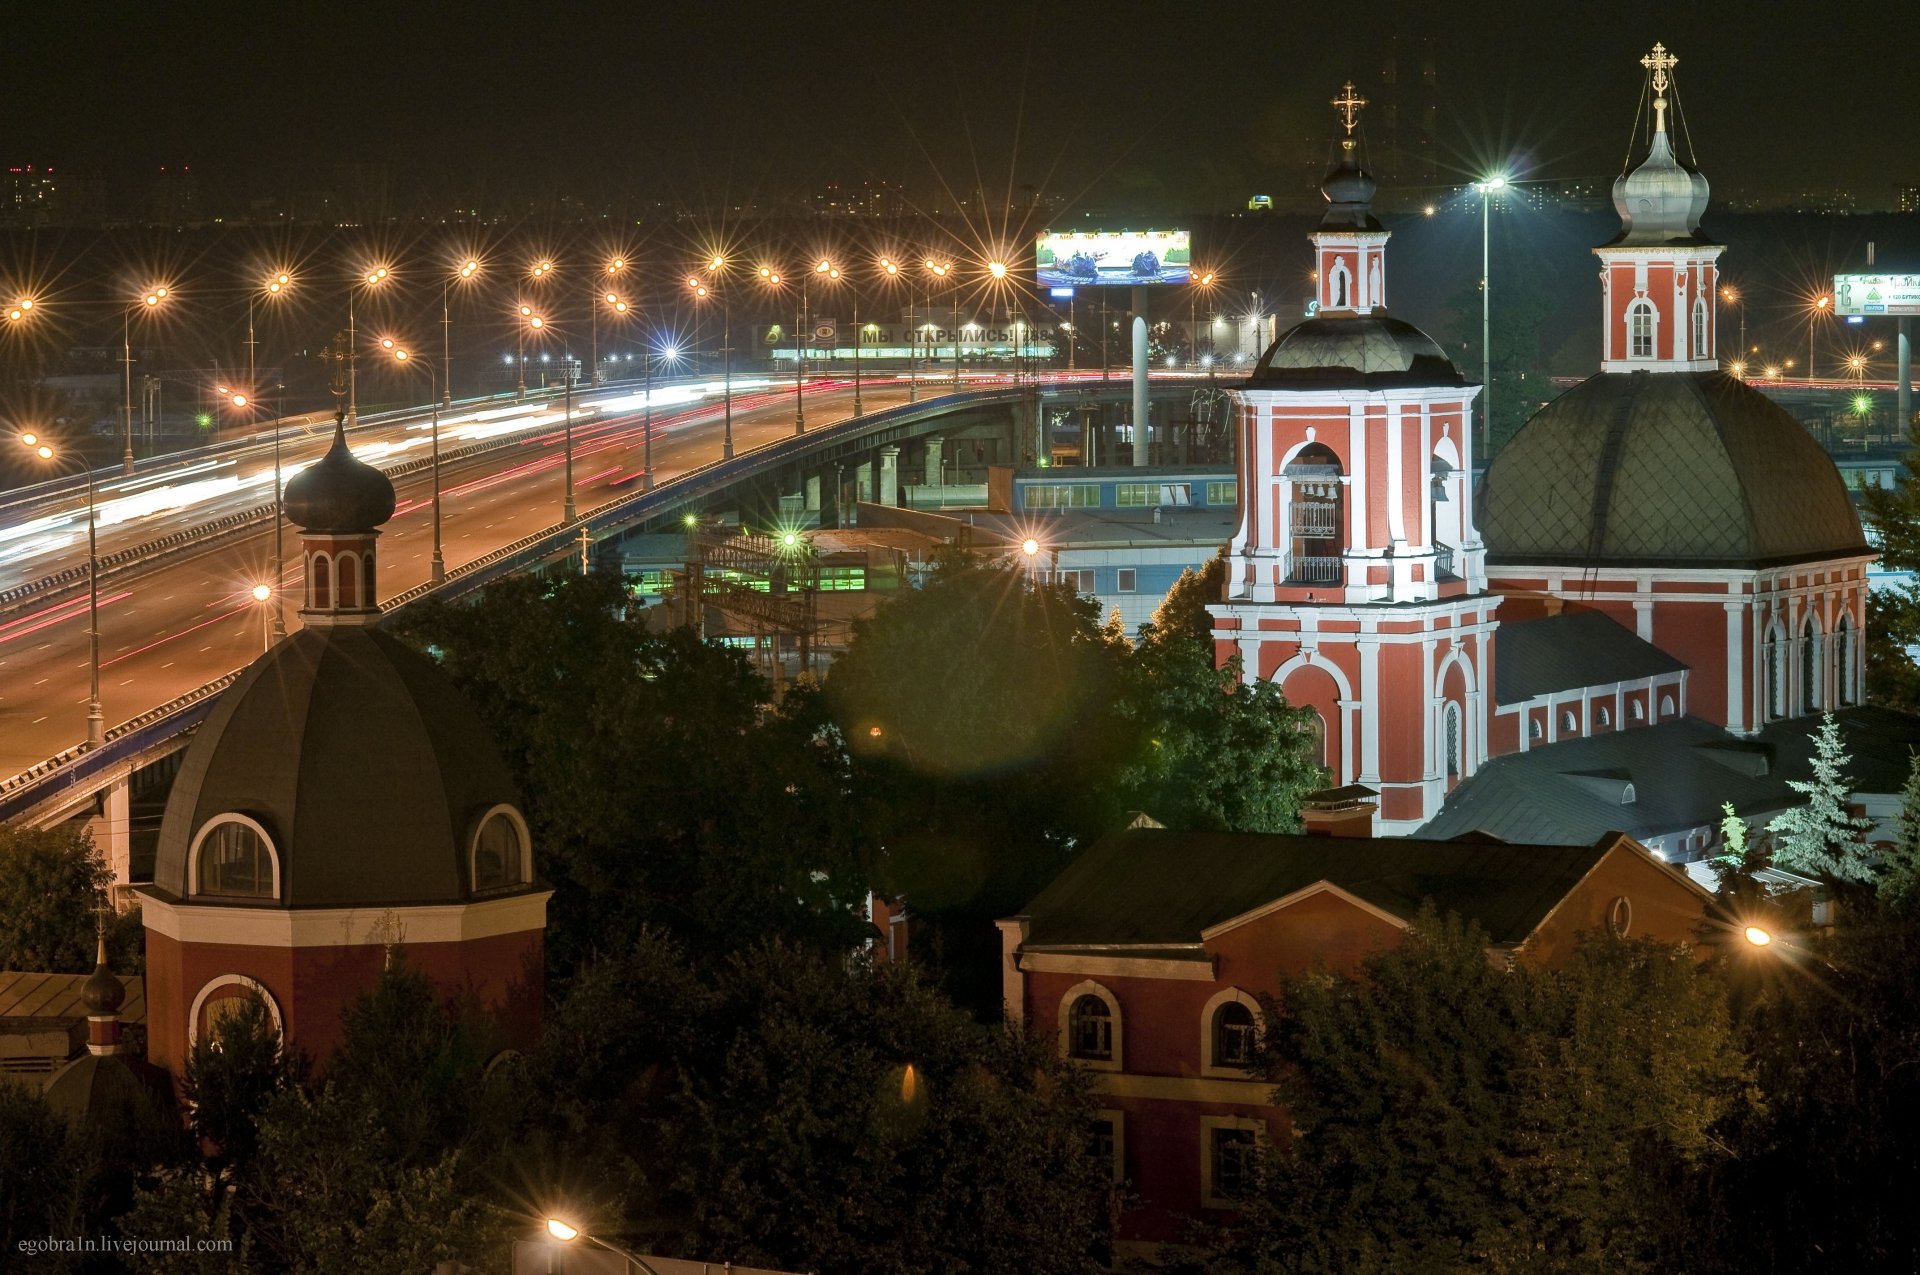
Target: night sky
1192	105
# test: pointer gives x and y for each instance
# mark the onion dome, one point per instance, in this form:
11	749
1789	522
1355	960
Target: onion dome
1660	202
339	494
102	993
1354	352
1349	191
342	770
1668	469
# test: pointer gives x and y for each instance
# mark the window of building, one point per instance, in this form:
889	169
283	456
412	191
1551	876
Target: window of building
1699	329
1233	1034
1775	657
1843	660
1316	728
1134	495
349	580
322	572
223	995
1810	688
1666	706
1230	1159
1568	722
1227	493
1453	740
1637	710
1128	579
1107	1141
234	859
1063	496
1090	1030
500	851
1534	729
1605	715
1640	329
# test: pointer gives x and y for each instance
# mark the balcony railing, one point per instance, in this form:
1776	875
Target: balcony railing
1314	518
1443	562
1313	569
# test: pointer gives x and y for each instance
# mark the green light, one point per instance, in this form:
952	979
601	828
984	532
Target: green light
1862	404
789	540
689	520
204	421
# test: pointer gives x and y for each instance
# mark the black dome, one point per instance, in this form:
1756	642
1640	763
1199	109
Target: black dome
1349	190
1665	469
102	993
365	767
339	493
1342	351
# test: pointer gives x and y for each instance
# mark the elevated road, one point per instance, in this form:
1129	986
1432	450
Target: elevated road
187	620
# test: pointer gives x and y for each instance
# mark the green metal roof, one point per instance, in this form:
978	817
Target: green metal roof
1571	650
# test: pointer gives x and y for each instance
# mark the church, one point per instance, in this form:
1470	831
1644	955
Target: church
1657	587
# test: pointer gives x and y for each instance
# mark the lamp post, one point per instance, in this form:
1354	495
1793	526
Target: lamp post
275	287
826	270
613	268
1486	188
944	270
669	356
149	301
96	721
891	269
1201	282
715	267
997	271
538	271
1731	295
1821	305
372	279
402	355
567	1233
468	269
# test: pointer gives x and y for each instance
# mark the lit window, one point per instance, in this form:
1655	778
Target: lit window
1090	1029
499	853
1640	327
1233	1033
234	861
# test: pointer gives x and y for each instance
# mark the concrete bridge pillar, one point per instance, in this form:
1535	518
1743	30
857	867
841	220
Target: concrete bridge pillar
889	493
933	478
112	829
863	481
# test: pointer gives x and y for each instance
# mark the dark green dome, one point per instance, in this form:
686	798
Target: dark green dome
1361	351
1665	469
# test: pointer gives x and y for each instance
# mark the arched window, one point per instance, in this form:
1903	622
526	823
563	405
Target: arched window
1316	729
349	580
1569	723
1534	729
233	858
221	996
1605	716
1637	710
1340	281
1810	688
1843	659
1315	511
500	851
322	571
1233	1033
1666	706
1090	1029
1640	329
1700	328
1452	728
1774	657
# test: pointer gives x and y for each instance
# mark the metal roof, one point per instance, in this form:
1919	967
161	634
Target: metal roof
25	994
1571	650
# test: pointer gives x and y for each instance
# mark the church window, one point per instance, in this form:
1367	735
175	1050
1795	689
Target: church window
1843	660
1314	513
1568	722
1232	1156
322	582
1605	717
232	858
225	995
1316	730
500	858
1339	281
1699	328
1666	706
1233	1033
1775	659
349	580
1640	329
1090	1029
1810	697
1453	741
1534	729
1637	710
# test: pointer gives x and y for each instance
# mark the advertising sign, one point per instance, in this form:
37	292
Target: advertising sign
1876	294
1119	258
824	331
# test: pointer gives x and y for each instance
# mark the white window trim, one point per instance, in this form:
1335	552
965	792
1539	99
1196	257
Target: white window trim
1090	988
1640	305
219	981
199	839
1118	1119
1226	995
1208	1124
1122	583
519	823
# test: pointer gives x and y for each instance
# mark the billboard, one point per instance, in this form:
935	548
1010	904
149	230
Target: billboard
1876	294
1122	258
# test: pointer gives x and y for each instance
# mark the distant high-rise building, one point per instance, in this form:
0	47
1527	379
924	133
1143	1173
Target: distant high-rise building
1907	198
174	197
1409	110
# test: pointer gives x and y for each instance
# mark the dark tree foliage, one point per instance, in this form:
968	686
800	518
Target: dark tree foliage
233	1073
660	787
53	884
1450	1114
788	1109
1892	513
44	1174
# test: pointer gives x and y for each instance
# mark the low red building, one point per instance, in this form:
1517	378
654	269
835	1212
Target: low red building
1147	958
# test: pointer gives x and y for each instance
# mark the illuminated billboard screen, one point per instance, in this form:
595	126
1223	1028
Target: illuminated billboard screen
1119	258
1876	294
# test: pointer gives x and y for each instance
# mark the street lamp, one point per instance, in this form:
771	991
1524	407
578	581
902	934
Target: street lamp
1756	936
468	268
403	355
891	269
371	280
715	267
671	357
566	1233
944	270
1731	295
261	594
149	301
613	267
1202	281
1821	305
96	720
1486	188
20	309
275	287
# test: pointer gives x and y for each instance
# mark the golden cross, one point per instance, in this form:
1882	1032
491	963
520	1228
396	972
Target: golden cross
1349	104
1659	62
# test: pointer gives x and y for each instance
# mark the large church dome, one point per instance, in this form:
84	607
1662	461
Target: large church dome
1665	469
1372	351
342	770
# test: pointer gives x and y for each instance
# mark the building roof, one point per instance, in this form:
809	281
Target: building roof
361	761
1665	469
1151	888
1661	202
338	492
1680	772
1571	650
1354	351
110	1090
31	996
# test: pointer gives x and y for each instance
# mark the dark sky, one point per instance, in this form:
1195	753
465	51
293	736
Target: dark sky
1198	104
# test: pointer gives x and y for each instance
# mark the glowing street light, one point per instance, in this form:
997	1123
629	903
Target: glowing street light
373	279
716	266
1487	187
1756	936
404	356
151	300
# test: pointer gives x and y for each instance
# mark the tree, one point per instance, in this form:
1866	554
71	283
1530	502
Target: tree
790	1109
43	1177
660	787
1893	615
53	885
233	1073
1450	1114
1823	836
1900	863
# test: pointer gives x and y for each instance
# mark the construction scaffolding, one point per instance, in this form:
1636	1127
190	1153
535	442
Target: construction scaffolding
765	585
